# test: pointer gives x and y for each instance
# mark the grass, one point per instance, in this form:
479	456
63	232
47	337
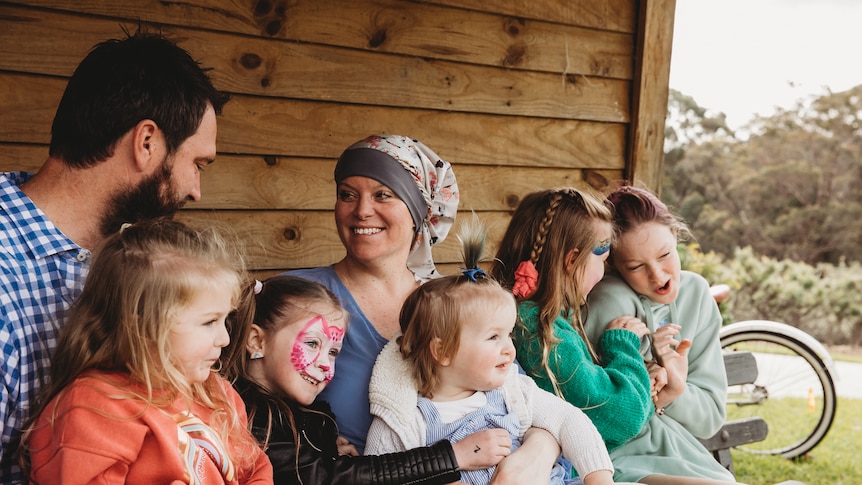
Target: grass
846	354
834	461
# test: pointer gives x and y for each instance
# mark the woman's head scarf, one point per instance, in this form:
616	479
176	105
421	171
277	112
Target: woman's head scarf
420	178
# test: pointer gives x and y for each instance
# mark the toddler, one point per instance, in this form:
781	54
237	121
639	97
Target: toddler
452	372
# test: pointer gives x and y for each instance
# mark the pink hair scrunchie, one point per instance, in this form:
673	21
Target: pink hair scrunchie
525	279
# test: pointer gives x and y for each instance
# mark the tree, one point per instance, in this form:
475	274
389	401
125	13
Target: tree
792	190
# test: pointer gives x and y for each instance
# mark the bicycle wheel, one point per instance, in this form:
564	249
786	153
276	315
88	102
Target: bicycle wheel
794	391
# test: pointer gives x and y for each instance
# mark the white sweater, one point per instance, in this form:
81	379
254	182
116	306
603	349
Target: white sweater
398	424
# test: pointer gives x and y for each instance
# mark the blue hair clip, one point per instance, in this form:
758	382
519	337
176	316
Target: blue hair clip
473	273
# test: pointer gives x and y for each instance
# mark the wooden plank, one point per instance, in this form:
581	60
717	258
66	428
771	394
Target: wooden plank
409	28
618	15
738	432
287	127
24	158
649	100
27	107
741	368
253	182
263	126
317	73
273	68
276	240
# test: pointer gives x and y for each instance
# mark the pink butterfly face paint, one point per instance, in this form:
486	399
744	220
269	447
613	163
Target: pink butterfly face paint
316	347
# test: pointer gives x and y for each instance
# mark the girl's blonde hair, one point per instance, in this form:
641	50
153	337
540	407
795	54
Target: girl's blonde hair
438	309
140	277
545	227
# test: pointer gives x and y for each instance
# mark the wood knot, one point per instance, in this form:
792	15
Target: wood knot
515	54
290	233
513	26
250	60
262	7
270	15
270	160
512	201
378	38
595	179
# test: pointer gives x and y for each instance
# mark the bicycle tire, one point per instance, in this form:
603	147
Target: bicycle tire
785	362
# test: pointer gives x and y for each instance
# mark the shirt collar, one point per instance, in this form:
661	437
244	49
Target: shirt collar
31	224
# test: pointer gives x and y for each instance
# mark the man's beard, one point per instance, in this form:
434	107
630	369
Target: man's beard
153	198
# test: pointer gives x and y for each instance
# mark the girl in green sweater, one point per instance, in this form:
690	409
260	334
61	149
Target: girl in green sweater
551	256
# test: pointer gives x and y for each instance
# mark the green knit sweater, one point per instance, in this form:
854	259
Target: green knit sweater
616	397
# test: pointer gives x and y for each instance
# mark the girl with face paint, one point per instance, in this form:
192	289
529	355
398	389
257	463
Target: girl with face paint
283	361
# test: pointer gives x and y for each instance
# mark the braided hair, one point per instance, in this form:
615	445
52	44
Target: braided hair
545	229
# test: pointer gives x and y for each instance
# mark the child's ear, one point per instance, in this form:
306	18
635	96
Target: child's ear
256	340
569	261
437	352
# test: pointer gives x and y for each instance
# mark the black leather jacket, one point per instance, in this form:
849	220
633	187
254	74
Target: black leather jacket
318	461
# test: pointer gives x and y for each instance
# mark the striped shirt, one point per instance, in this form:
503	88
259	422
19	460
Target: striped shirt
41	273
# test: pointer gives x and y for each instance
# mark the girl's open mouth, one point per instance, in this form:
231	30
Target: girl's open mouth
664	289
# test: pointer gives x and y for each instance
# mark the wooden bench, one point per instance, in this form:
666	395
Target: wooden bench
741	368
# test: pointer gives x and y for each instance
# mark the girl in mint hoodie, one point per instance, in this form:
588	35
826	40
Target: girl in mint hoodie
684	321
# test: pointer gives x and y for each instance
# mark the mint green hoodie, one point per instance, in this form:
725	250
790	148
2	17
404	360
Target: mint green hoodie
668	443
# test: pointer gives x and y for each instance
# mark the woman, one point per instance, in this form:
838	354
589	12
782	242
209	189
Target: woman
395	199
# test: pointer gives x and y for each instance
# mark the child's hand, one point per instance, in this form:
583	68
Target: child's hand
676	365
663	341
632	324
344	447
482	449
658	378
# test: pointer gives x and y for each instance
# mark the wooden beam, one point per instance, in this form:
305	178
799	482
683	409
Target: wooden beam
650	92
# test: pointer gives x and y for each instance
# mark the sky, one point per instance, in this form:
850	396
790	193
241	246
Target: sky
748	56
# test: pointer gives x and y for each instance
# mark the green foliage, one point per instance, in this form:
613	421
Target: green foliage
833	461
777	215
792	190
712	267
824	300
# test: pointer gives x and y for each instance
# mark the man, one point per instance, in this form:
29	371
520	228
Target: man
135	126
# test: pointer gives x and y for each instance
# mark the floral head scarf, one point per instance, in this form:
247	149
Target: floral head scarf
426	185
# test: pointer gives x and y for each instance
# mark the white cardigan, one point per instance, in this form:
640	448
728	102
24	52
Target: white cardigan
398	424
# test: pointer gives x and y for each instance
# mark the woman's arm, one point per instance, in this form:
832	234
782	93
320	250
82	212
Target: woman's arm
431	465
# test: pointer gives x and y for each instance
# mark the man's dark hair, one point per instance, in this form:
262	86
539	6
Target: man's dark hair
122	82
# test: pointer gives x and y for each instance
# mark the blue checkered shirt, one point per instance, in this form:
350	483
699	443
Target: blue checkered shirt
42	273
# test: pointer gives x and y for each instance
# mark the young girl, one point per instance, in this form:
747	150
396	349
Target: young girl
451	373
552	254
680	311
288	358
133	397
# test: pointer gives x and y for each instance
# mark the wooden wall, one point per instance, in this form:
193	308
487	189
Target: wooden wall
517	94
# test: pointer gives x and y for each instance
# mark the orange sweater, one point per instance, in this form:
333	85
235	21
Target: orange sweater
98	439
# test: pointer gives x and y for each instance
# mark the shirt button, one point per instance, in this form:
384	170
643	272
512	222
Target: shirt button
83	255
